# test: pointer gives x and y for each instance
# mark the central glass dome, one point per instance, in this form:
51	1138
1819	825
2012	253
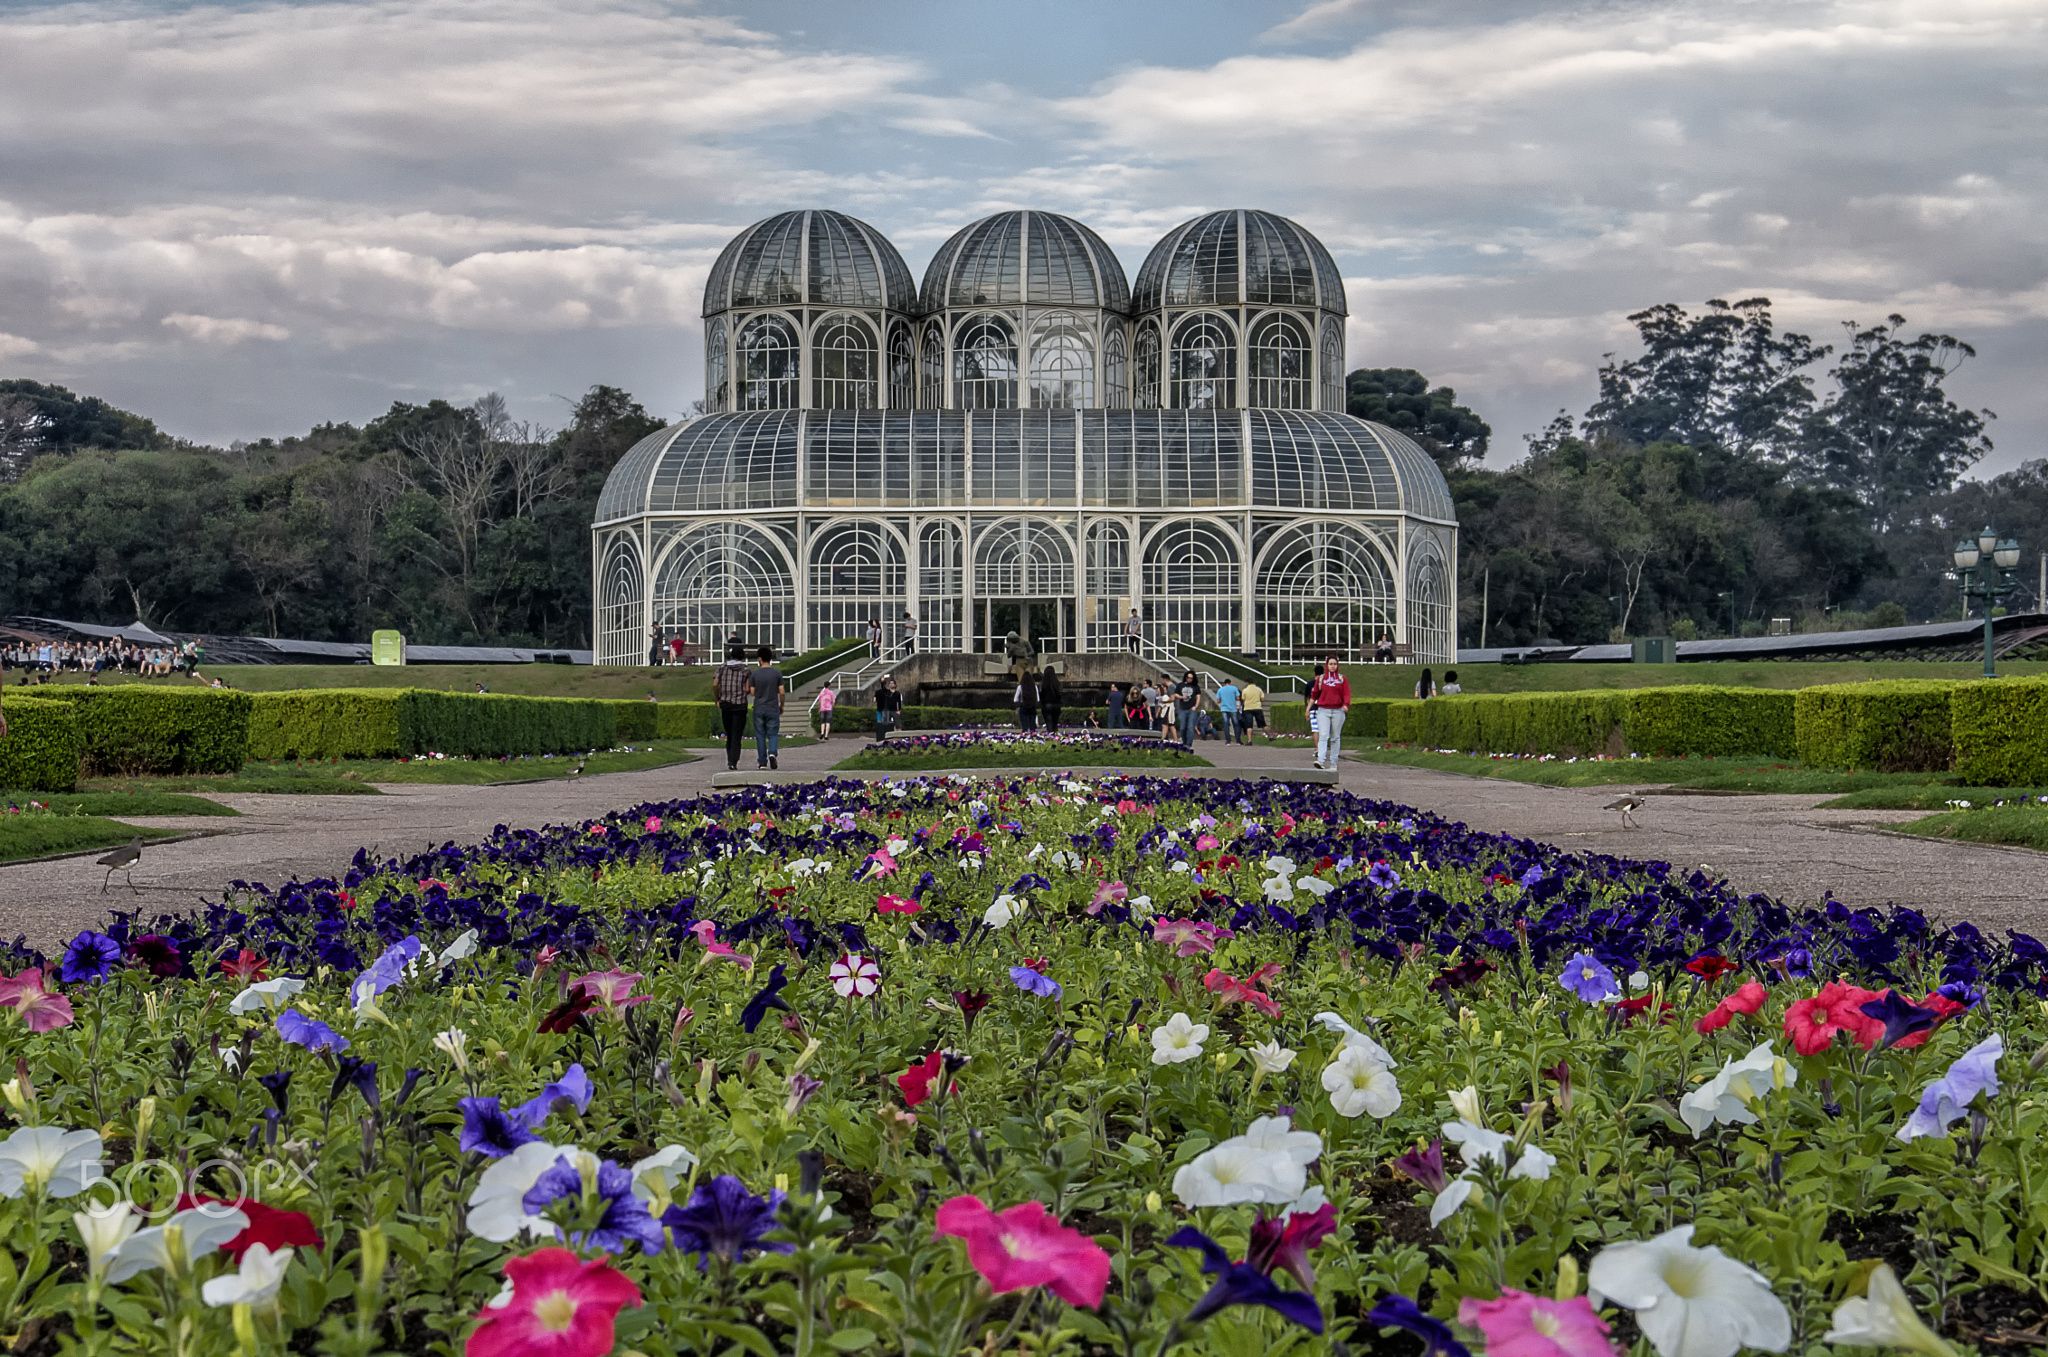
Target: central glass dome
1025	259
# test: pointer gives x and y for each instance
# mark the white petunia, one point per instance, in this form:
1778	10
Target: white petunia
454	1043
255	1282
1236	1172
1270	1057
1726	1098
104	1231
1465	1102
1690	1302
656	1177
1279	890
1276	1135
43	1159
1178	1039
1315	886
1884	1317
497	1208
1358	1084
1455	1194
200	1231
1002	911
265	994
462	947
1330	1022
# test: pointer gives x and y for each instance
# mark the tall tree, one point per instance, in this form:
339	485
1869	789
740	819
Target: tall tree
1890	433
1402	398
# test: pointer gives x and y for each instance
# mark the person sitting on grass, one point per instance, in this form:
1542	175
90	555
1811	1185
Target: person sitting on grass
1450	684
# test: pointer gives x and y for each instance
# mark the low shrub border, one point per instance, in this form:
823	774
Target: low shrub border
41	751
2000	731
1890	726
1684	721
129	730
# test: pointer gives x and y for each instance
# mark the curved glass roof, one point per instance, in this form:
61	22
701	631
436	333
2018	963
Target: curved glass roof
1302	460
1239	257
812	257
1025	258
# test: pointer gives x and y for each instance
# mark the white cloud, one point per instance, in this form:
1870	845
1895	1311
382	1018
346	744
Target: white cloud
15	346
224	330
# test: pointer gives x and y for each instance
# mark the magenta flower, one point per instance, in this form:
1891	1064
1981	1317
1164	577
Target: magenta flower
43	1009
612	988
1517	1324
1024	1246
1189	937
1425	1166
1108	893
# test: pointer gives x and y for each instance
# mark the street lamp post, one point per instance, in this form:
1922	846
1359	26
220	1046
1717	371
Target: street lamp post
1985	564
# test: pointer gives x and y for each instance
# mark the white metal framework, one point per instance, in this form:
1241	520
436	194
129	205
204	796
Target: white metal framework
1026	441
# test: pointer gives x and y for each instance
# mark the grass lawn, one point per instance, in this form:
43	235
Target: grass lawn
931	760
309	779
1398	680
345	777
2014	826
1714	775
37	836
117	803
1924	795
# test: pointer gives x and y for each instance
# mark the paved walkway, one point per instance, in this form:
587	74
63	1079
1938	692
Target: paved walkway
1779	844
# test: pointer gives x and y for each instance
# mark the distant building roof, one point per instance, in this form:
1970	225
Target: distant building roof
2012	635
277	650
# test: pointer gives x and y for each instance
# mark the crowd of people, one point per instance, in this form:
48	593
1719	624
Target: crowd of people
38	661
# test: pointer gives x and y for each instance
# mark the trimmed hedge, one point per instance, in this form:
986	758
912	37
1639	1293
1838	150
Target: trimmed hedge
1708	722
1368	719
493	725
634	720
326	723
132	729
1682	721
1893	726
41	750
2000	732
686	721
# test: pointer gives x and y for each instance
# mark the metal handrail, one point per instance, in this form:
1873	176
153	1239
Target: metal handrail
857	679
1270	680
797	678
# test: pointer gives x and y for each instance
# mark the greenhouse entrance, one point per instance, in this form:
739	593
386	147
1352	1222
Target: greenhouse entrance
1048	623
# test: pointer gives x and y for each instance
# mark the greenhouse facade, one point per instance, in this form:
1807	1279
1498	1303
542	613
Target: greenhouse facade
1026	444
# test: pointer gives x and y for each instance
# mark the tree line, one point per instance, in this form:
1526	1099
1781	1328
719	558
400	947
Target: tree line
1726	473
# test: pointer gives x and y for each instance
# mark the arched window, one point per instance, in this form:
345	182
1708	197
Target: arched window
1204	373
621	592
1432	604
716	393
938	586
985	365
1062	363
1023	558
856	576
845	352
1108	583
771	368
1322	588
1145	364
1191	584
932	369
1334	396
726	579
1279	362
902	369
1116	376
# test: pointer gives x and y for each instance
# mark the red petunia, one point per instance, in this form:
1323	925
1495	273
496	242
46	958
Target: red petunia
245	965
1231	990
562	1017
1748	999
1812	1024
916	1082
1711	967
269	1226
1629	1008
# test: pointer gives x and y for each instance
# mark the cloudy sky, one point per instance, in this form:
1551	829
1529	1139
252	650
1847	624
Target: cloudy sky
243	219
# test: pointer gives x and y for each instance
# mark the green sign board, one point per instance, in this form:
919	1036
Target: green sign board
387	647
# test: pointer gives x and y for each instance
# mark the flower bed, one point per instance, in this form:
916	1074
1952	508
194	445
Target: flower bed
987	748
1155	1065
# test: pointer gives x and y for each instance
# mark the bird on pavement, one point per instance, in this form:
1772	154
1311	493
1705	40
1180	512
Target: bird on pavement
123	860
577	771
1628	806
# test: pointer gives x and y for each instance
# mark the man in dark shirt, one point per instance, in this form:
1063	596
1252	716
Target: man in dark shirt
766	682
734	685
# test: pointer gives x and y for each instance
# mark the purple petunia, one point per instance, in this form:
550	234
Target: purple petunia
1035	982
724	1221
1947	1100
1242	1284
91	957
310	1033
1399	1312
624	1219
1586	977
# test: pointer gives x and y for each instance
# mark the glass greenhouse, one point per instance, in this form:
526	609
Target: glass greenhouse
1026	443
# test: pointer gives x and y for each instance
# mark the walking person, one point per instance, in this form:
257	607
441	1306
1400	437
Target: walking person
1113	716
766	681
1329	699
1187	698
909	633
1134	631
1049	699
1228	699
1253	714
827	699
1148	699
888	708
1425	687
732	687
1025	699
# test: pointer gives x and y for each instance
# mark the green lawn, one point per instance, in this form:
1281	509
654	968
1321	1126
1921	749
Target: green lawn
308	779
1398	680
1721	775
937	760
37	836
358	776
135	801
1924	795
2013	826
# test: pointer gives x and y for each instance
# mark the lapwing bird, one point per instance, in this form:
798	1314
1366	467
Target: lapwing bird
1628	806
577	771
122	860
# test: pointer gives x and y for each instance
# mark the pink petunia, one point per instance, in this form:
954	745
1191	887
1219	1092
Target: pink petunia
719	951
1517	1324
653	824
896	904
43	1009
1189	937
1231	990
561	1306
1025	1246
1812	1024
705	931
1747	999
612	988
885	862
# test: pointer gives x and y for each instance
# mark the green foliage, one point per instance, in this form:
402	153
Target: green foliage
2000	731
635	720
1711	722
23	837
330	723
488	725
1402	398
40	752
134	729
1899	726
1367	721
686	720
847	717
907	760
